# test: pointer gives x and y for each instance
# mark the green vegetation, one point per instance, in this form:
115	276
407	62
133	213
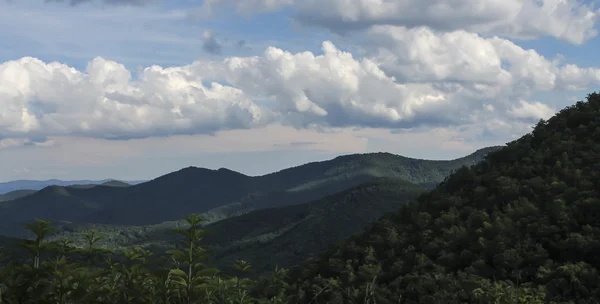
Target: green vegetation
216	194
56	272
527	217
268	237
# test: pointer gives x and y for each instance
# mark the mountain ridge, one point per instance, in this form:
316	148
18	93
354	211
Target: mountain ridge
196	190
26	184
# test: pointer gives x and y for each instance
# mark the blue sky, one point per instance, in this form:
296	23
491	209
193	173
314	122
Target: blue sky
109	89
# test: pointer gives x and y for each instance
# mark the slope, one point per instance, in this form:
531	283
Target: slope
525	219
275	236
284	236
417	171
109	183
15	194
55	203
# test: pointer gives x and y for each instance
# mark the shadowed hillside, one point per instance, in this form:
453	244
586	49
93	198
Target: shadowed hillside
15	194
526	219
268	237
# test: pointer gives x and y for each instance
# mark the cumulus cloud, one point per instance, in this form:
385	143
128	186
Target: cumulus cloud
210	43
332	89
531	111
39	99
569	20
416	77
462	59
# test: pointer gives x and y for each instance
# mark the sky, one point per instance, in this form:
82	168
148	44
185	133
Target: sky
133	89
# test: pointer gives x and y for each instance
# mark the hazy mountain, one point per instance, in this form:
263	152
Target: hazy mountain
109	183
40	184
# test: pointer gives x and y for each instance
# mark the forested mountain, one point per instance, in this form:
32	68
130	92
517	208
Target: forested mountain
284	236
12	195
6	187
15	194
527	217
269	237
218	193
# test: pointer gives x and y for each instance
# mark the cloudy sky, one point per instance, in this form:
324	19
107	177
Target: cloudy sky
133	89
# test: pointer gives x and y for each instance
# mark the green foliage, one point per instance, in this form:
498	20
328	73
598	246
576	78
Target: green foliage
523	226
77	275
270	237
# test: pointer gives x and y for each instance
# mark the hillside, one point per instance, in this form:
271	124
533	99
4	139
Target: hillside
222	193
109	183
6	187
417	171
268	237
284	236
12	195
15	194
526	217
55	203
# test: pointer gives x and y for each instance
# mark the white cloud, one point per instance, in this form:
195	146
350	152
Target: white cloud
471	61
41	99
332	89
423	55
416	77
568	20
531	110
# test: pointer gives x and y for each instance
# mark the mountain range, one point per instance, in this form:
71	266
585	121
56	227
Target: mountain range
218	194
16	185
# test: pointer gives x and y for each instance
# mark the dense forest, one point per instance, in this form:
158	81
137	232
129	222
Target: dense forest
522	226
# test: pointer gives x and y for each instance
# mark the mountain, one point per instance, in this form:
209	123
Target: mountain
108	183
523	226
15	194
6	187
12	195
219	193
283	236
273	236
197	190
418	171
